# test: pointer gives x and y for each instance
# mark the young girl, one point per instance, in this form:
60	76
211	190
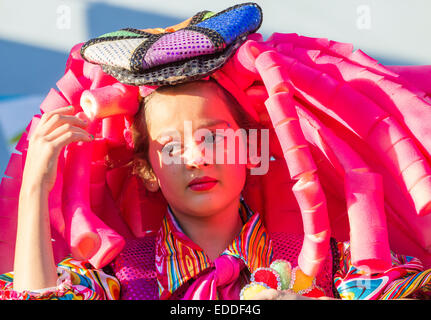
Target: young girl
211	244
205	213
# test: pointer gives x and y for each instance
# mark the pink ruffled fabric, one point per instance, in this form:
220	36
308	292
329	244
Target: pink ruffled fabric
350	115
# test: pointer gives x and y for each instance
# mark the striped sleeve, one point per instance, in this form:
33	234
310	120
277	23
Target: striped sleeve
77	280
406	278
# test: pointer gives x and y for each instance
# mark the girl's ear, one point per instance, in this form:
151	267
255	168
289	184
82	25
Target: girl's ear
143	169
151	185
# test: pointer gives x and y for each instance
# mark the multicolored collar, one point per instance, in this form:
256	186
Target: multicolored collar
179	259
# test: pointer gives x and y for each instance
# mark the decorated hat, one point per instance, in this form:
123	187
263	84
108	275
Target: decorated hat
188	51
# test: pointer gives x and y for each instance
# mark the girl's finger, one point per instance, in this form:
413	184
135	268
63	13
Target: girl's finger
69	137
57	120
63	129
70	110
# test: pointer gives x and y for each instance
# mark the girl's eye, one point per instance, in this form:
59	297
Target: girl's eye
172	148
214	137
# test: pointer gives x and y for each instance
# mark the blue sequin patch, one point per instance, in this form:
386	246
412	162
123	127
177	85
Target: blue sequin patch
244	18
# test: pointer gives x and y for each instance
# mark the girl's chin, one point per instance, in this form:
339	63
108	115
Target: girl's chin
206	201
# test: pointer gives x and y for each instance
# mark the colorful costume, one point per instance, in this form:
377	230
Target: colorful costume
144	267
138	275
351	155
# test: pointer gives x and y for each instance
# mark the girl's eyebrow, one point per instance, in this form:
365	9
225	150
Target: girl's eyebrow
208	123
212	123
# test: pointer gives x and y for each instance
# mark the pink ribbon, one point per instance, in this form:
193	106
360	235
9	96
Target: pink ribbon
221	281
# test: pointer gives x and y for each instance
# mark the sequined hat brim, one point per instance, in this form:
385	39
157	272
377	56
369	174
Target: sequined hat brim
190	51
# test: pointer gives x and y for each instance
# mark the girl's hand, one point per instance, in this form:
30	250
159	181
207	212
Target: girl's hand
55	130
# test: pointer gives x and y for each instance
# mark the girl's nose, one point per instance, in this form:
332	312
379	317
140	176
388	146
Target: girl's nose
194	156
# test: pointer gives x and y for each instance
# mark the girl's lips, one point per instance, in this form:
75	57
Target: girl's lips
202	184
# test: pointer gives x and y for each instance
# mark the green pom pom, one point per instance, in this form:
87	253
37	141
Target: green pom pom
284	269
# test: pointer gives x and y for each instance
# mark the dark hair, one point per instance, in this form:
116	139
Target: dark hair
139	128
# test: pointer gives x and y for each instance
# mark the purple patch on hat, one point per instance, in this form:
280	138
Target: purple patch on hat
177	46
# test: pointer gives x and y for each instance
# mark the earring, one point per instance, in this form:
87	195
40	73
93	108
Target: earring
250	165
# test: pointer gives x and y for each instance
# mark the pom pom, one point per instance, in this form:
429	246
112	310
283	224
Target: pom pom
301	283
268	276
284	270
315	292
251	290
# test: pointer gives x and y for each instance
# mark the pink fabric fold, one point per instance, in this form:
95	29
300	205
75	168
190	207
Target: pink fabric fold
222	281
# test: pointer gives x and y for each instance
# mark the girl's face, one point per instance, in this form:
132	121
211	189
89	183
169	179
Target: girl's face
200	106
